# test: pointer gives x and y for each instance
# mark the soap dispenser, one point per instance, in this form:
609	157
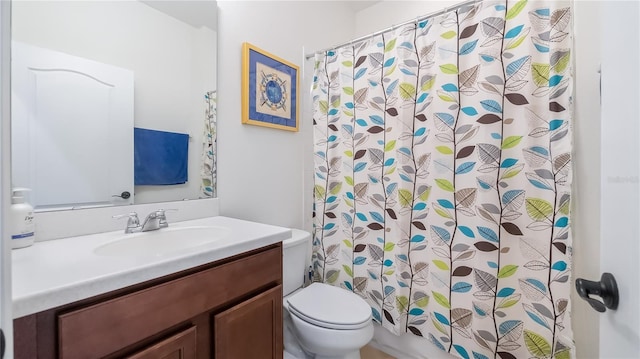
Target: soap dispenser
21	221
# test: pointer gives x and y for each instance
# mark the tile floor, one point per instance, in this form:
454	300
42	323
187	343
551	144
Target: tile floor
369	352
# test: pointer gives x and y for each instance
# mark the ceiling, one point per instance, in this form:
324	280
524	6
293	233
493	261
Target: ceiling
197	13
357	5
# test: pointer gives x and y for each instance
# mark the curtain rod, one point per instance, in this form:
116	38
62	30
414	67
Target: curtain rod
391	28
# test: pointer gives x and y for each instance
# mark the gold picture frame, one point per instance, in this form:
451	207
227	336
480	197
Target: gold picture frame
269	90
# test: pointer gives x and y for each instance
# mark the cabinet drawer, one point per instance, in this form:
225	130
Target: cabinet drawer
179	346
112	325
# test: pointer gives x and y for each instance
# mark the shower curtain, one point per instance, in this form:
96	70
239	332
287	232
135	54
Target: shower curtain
442	178
208	166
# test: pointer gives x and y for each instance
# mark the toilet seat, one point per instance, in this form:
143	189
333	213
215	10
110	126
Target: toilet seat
330	307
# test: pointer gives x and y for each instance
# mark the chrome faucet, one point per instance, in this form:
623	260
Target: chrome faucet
154	221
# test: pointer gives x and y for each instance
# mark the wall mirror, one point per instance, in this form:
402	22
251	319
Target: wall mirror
113	102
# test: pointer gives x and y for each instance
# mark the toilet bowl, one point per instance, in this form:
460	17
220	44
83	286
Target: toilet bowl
321	321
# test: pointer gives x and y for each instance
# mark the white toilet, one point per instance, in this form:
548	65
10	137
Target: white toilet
320	321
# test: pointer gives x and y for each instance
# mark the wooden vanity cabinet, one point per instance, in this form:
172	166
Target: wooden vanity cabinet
227	309
180	346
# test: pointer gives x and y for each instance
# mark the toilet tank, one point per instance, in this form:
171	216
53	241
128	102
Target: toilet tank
294	260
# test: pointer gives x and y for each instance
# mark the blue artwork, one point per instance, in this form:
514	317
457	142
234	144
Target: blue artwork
272	91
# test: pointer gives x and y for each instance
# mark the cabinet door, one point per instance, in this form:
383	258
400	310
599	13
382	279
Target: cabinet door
179	346
251	329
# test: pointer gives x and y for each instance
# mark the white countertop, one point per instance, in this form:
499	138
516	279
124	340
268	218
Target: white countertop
53	273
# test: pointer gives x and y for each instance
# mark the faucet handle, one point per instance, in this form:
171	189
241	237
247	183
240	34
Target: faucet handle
162	218
132	222
131	216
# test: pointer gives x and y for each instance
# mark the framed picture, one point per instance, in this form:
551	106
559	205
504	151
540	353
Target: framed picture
269	90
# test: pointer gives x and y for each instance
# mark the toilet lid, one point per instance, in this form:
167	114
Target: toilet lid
330	307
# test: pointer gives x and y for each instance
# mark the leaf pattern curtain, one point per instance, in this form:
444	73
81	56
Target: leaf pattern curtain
442	178
208	165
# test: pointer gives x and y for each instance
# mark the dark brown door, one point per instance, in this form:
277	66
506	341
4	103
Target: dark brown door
179	346
251	329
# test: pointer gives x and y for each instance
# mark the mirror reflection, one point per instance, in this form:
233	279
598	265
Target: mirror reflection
113	102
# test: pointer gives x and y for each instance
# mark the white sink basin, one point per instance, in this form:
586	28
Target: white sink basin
161	242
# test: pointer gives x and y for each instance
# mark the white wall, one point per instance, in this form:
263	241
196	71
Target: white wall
391	12
6	317
265	175
174	64
620	170
586	179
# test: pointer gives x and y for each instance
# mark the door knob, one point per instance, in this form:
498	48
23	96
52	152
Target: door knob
123	195
2	344
606	288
